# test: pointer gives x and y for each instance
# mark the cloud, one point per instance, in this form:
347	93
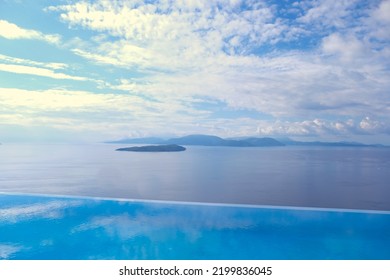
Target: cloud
379	22
120	115
335	44
30	70
11	31
324	14
311	67
43	69
383	11
47	210
207	50
372	126
295	84
7	250
169	36
324	128
84	111
190	222
51	65
66	100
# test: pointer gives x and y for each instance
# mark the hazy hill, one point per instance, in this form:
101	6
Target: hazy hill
290	142
204	140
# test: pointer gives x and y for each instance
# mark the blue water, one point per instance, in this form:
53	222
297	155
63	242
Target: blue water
347	178
41	227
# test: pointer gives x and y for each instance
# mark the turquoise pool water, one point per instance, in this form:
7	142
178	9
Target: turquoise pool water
43	227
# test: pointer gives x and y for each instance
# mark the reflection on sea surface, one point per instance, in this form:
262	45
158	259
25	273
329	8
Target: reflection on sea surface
36	227
348	178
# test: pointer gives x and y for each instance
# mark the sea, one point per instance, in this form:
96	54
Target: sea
89	201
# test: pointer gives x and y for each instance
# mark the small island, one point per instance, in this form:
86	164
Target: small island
154	148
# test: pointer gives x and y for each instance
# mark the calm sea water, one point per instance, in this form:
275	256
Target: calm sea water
34	227
347	178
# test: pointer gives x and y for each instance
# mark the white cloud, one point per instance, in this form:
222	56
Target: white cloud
115	116
49	210
295	84
81	111
7	250
67	100
328	13
172	53
204	49
369	125
382	13
348	49
52	70
51	65
38	71
100	58
379	22
191	223
323	128
172	35
11	31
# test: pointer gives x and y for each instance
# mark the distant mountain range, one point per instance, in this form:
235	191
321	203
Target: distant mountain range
204	140
211	140
290	142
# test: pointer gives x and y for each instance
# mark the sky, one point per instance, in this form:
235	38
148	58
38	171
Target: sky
105	70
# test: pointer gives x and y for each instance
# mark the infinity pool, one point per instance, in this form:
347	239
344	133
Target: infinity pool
48	227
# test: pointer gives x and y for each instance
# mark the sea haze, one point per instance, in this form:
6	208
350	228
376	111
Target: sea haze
325	177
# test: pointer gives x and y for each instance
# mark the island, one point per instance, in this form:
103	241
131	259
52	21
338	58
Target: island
154	148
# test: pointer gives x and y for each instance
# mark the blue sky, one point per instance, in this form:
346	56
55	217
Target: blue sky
100	70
